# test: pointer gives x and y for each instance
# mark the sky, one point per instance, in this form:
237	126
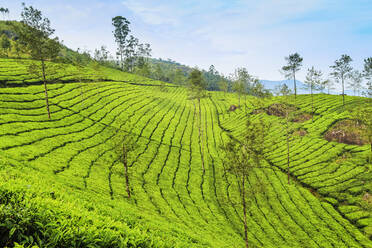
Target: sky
226	33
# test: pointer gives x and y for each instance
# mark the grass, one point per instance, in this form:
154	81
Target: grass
62	185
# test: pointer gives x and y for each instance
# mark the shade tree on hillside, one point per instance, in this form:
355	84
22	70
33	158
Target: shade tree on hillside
257	89
36	33
285	106
313	82
242	157
136	54
367	72
212	77
355	82
5	45
241	82
125	146
294	63
4	12
81	60
197	88
121	31
329	85
101	55
223	86
130	52
282	90
342	71
179	77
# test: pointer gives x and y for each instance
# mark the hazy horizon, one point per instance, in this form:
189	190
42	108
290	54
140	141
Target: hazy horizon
227	34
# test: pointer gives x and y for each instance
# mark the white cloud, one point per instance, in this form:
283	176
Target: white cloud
152	13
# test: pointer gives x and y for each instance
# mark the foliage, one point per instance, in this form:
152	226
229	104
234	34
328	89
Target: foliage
223	86
342	71
243	156
5	45
282	90
368	75
294	63
132	54
35	34
197	84
314	82
356	79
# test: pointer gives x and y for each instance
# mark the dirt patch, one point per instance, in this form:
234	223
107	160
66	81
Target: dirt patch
302	117
258	111
349	132
367	198
316	194
233	107
300	132
280	110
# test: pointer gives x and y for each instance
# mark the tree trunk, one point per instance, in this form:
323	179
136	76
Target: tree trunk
343	91
121	59
125	162
287	131
45	87
244	212
245	99
201	136
294	82
312	105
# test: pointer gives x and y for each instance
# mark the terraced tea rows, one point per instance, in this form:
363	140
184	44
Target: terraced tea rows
173	197
338	172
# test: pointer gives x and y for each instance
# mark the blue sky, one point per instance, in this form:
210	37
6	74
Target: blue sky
228	34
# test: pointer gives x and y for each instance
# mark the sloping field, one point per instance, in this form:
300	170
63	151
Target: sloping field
62	184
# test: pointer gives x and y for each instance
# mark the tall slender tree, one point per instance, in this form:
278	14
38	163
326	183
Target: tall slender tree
4	12
294	63
342	71
284	107
367	72
197	87
223	86
121	31
313	82
36	34
355	82
241	82
125	148
328	84
5	45
243	156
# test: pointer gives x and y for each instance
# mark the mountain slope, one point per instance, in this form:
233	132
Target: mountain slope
66	177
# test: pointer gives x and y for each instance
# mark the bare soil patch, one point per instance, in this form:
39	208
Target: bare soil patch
349	132
300	132
367	198
279	109
233	107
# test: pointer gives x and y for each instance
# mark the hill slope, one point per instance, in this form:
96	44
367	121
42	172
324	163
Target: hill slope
63	185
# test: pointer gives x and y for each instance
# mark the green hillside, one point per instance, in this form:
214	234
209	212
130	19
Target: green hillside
63	185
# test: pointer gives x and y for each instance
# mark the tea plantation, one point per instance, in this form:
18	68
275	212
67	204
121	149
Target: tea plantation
63	185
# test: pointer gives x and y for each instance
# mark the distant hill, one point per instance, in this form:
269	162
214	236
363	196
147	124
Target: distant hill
269	84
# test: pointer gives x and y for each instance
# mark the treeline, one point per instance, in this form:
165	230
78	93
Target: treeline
342	73
135	57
